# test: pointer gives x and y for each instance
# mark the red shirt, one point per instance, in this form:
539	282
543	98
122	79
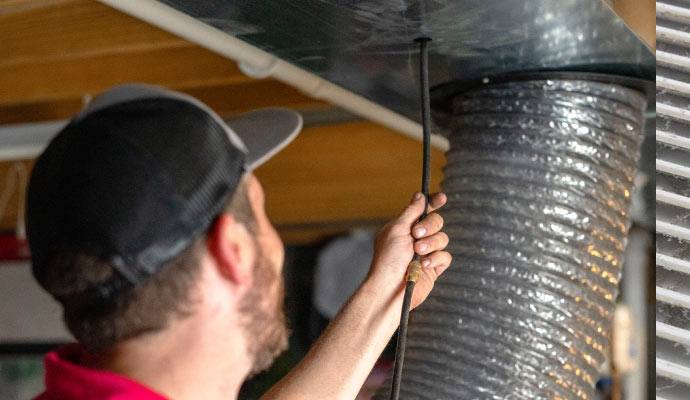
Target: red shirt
66	380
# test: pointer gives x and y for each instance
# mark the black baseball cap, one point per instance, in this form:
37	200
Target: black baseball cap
137	176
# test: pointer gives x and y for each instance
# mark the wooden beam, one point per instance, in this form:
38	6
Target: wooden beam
359	172
75	29
14	6
58	55
640	15
178	68
47	110
226	99
332	178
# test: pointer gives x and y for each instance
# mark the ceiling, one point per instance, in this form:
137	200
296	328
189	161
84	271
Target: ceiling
367	47
56	54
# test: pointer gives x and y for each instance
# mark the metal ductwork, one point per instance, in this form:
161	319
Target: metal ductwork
357	54
538	175
673	202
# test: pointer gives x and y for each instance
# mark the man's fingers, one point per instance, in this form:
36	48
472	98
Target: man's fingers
436	264
437	259
436	201
414	210
430	244
430	225
438	271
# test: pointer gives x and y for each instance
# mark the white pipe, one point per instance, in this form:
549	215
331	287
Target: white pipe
257	63
634	296
26	141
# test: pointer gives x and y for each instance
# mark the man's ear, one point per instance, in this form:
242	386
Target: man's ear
230	245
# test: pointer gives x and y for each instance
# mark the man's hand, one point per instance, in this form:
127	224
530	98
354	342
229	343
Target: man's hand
397	241
342	358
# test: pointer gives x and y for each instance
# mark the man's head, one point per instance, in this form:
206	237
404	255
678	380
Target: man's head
137	196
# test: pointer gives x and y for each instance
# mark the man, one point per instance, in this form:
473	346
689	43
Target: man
146	223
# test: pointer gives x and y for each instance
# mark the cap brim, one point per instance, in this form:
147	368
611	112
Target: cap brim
265	132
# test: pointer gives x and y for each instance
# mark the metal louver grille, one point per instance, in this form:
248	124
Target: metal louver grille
673	201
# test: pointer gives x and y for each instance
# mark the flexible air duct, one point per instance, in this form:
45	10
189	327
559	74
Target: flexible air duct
538	177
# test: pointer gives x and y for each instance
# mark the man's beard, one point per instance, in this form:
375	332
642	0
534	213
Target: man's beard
266	330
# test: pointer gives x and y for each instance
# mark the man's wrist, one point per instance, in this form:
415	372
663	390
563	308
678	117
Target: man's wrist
385	298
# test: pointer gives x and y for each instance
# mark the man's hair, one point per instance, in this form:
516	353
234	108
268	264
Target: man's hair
148	307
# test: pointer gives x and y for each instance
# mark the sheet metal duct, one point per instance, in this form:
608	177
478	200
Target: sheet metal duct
539	177
366	47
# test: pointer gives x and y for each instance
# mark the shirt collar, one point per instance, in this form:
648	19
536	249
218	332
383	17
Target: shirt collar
66	379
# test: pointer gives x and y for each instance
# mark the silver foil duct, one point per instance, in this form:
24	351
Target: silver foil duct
538	178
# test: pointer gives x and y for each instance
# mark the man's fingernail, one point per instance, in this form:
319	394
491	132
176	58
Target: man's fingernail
426	262
422	247
418	196
419	232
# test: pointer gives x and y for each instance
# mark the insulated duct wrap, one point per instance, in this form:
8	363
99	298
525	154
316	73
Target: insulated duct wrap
538	179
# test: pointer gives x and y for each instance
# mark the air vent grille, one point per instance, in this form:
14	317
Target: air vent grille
673	201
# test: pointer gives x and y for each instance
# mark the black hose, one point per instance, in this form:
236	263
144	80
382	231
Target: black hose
415	266
426	119
402	334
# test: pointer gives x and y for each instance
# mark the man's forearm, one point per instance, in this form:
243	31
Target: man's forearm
342	358
340	361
